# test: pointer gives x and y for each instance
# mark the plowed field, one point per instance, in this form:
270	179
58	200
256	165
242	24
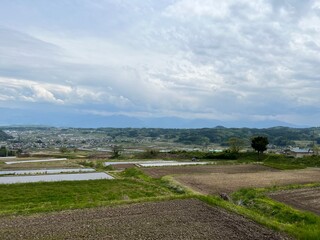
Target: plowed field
231	169
304	199
214	183
177	219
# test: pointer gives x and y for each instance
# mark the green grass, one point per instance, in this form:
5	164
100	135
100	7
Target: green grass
284	162
258	206
283	166
53	196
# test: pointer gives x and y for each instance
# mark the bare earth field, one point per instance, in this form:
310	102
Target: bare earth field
214	183
304	199
123	166
158	172
176	219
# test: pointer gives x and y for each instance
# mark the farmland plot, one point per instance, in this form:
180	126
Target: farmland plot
214	183
304	198
231	169
176	219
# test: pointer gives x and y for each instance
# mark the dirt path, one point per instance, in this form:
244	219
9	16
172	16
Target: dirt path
304	199
177	219
215	183
158	172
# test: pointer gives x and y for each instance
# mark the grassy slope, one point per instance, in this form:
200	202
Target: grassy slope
259	207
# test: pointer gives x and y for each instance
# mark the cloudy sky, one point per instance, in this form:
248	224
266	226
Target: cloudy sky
168	63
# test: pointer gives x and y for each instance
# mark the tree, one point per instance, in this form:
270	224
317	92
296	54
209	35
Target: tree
259	144
116	150
235	144
3	151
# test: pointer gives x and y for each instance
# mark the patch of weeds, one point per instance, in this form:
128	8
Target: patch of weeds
173	186
283	166
96	165
300	224
108	168
87	164
134	173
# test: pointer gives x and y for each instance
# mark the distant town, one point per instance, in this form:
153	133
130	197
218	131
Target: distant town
24	139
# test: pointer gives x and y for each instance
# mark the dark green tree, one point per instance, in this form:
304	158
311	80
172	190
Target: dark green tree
116	151
3	151
259	144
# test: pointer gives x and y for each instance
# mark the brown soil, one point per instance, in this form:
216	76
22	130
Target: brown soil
215	183
177	219
304	199
122	166
158	172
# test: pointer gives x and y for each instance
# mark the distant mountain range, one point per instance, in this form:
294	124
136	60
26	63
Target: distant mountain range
77	119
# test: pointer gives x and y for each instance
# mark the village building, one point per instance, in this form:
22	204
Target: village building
299	152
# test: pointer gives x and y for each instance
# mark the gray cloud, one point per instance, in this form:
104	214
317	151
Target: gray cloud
196	59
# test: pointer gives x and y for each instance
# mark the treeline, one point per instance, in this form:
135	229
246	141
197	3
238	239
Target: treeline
4	152
280	136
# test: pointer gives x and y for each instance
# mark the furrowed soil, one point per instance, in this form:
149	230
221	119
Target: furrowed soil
176	219
214	183
304	199
158	172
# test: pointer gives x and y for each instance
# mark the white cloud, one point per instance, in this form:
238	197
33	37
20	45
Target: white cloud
197	59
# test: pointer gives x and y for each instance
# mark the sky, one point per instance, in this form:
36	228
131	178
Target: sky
168	63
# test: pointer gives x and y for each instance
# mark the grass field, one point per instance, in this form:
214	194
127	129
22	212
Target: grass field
53	196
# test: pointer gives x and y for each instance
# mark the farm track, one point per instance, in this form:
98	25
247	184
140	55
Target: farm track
158	172
304	199
176	219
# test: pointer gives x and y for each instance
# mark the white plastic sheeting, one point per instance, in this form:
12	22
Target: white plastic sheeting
54	178
38	160
171	164
46	171
137	162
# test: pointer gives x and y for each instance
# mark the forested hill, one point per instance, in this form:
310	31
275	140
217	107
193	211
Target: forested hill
280	136
4	136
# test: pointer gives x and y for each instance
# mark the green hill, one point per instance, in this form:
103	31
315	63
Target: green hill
4	136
